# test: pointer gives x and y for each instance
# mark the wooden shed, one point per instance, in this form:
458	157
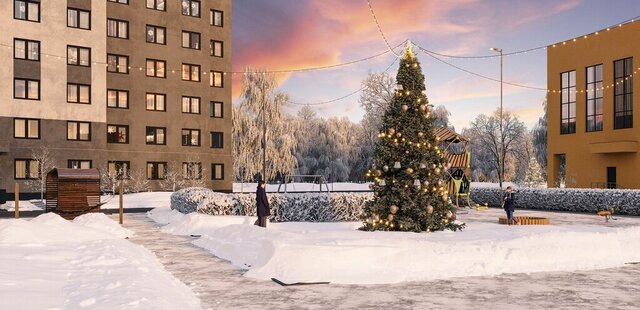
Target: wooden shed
73	192
457	150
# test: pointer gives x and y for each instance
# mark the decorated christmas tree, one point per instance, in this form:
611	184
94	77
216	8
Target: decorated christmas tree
408	166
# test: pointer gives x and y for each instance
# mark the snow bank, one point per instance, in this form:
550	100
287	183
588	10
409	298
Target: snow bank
24	206
138	200
565	199
51	263
339	253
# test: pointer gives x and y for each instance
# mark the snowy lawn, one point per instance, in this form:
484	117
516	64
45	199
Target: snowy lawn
138	200
51	263
25	205
339	253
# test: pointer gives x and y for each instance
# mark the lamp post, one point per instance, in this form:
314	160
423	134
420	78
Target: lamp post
500	154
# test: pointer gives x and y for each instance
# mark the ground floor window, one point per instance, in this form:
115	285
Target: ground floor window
26	169
156	170
79	164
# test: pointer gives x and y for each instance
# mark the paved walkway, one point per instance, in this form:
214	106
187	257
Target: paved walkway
220	286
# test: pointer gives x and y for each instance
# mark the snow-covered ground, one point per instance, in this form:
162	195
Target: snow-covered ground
339	253
25	205
52	263
138	200
301	187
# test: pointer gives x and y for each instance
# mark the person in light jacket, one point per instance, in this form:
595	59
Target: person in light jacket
509	207
262	204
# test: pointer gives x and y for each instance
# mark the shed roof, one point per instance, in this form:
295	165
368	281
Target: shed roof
68	173
448	135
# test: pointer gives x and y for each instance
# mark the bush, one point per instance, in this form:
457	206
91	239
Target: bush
291	207
565	199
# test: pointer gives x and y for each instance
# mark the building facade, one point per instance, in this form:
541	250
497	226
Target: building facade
135	88
592	112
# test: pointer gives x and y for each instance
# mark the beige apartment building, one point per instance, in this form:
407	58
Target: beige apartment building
131	87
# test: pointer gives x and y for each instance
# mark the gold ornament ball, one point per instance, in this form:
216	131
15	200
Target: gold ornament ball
393	209
420	134
405	108
409	170
392	131
378	173
437	171
398	135
390	217
423	107
429	209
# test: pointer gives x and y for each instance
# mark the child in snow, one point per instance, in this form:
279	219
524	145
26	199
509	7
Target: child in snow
262	204
509	207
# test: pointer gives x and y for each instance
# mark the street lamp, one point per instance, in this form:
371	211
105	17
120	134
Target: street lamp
500	159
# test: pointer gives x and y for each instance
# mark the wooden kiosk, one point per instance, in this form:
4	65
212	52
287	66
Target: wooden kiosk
458	153
73	192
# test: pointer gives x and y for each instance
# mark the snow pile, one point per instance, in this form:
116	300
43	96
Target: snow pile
24	206
565	199
137	200
339	253
51	263
312	207
103	223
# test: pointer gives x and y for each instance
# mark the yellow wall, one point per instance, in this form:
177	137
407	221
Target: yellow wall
585	164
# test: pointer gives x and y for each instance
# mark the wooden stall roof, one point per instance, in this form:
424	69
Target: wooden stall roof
448	135
68	173
458	160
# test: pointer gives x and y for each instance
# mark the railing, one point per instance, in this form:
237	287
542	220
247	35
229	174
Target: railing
606	185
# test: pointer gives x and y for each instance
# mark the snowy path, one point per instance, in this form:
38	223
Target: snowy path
220	286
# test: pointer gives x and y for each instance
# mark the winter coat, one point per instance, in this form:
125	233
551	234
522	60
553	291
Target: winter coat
262	203
509	199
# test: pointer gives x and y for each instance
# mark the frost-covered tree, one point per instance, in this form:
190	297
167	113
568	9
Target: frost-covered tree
540	140
262	101
138	181
44	158
173	178
533	176
409	166
484	135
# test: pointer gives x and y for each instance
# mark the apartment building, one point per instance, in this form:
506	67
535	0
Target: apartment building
593	131
131	87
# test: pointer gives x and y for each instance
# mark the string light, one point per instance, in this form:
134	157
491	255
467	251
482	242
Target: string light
375	19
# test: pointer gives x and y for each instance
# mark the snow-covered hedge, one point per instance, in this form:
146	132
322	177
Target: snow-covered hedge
291	207
565	199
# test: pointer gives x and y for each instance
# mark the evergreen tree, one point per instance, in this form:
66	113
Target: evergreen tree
408	165
534	175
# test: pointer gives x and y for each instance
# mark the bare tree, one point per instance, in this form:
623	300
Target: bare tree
44	158
110	180
193	172
484	134
138	181
261	101
173	177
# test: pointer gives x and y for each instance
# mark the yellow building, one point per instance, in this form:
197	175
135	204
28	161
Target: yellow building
592	117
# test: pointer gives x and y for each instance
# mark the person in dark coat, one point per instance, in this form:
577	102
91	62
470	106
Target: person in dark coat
262	204
508	203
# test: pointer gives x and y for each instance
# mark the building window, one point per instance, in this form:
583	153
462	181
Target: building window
26	49
78	93
191	8
191	40
117	28
26	128
119	169
191	72
117	63
215	18
156	68
568	102
27	10
78	56
192	170
156	34
156	135
190	137
156	102
216	109
26	89
215	79
156	5
117	98
79	164
190	105
26	169
156	170
217	171
117	134
594	98
216	48
217	140
78	18
623	94
78	131
120	1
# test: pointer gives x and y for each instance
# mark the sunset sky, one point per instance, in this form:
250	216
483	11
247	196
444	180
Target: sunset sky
290	34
